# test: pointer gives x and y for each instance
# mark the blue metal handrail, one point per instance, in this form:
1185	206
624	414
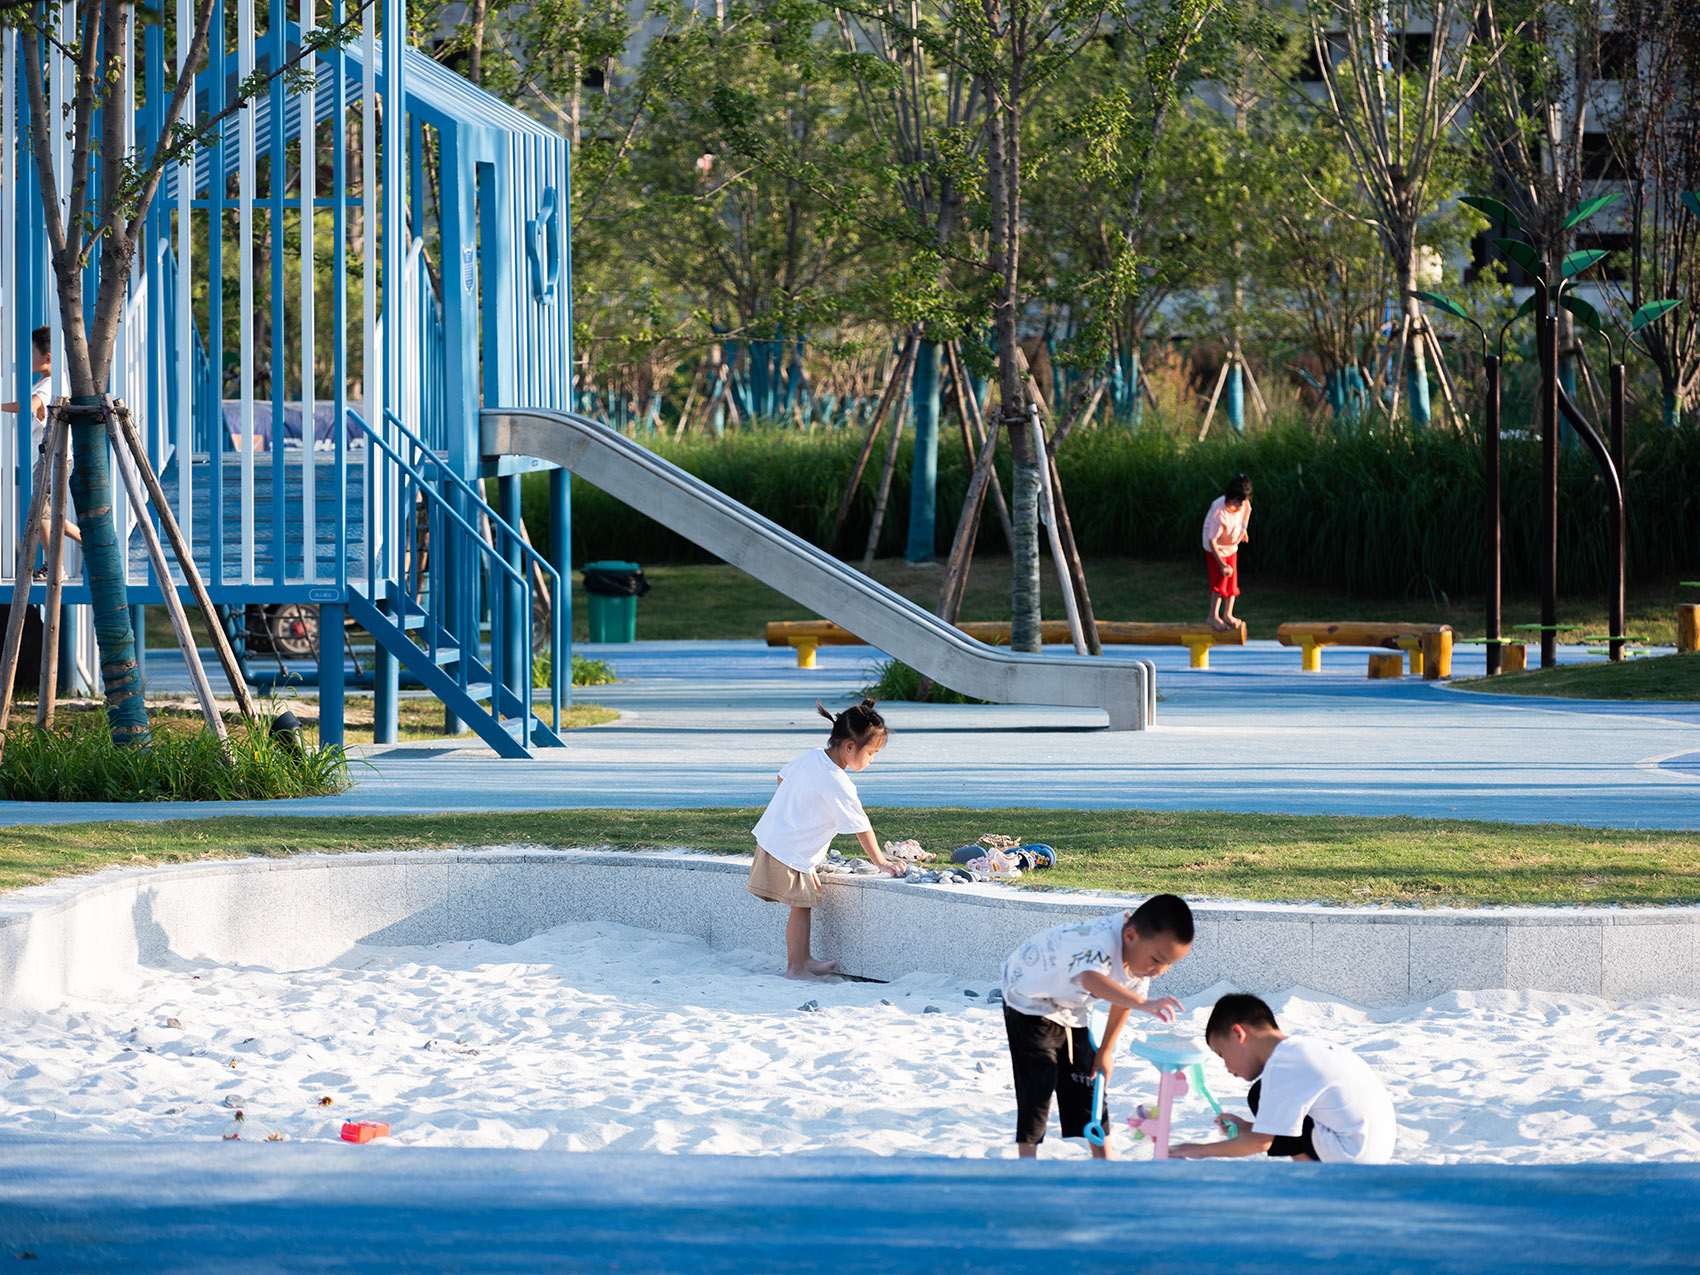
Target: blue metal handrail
526	551
444	518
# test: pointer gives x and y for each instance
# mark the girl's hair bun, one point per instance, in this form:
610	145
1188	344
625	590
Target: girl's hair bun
859	723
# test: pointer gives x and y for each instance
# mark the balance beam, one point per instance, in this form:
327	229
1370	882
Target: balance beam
1429	646
807	636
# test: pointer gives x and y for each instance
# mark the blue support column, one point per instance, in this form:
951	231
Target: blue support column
386	696
139	626
516	618
923	469
1236	397
330	675
561	558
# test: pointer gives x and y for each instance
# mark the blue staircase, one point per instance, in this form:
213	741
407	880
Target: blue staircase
420	594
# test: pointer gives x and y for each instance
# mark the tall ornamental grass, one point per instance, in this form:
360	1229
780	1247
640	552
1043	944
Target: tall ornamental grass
77	761
1379	511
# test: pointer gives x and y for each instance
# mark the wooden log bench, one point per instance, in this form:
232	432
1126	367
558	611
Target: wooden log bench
1428	646
807	636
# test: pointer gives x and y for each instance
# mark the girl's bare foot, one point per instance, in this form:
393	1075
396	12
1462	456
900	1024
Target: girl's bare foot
1219	624
807	975
822	967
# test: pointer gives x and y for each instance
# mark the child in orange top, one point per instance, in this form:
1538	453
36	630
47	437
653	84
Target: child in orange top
1224	533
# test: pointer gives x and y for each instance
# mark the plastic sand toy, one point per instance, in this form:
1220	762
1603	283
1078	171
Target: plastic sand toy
1180	1066
364	1131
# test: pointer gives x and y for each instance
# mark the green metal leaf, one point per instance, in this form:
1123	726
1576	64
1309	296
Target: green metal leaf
1492	209
1585	313
1691	201
1442	303
1523	254
1588	207
1652	312
1528	307
1575	263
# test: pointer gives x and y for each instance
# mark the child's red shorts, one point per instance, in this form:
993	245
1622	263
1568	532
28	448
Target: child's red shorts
1224	586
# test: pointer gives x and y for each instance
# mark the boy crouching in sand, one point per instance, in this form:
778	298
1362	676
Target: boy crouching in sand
1310	1100
1049	984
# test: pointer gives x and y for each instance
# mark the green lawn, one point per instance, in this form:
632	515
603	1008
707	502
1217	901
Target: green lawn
1658	677
1243	856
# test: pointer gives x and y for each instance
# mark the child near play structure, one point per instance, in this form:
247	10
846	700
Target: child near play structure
1224	533
1310	1100
1049	985
815	802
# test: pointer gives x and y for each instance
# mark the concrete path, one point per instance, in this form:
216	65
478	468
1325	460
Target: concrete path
126	1206
708	723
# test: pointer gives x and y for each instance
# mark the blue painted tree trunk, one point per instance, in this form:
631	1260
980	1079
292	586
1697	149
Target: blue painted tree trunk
1673	411
103	571
1416	377
924	469
1236	398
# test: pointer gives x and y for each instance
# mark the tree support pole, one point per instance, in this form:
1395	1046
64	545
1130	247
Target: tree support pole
893	386
878	524
1494	529
1210	412
47	685
1547	336
39	490
974	425
173	604
1047	510
131	440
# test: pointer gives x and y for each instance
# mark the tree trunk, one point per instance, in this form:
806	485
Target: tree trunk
1003	163
475	42
1416	366
103	570
924	468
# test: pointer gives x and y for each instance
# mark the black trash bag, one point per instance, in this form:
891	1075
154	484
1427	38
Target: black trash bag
615	584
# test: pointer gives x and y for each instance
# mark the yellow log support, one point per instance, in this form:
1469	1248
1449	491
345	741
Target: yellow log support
1385	664
1513	657
1688	628
1430	653
806	636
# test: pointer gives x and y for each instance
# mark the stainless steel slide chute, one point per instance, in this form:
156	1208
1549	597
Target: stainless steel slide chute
1124	689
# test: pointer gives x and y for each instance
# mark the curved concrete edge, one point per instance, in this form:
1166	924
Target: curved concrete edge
89	935
1123	688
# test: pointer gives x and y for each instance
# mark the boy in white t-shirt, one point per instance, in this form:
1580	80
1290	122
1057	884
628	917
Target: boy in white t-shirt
815	802
1311	1100
1049	984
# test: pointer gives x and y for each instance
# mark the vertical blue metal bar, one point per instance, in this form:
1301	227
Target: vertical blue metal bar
278	177
516	603
215	73
330	675
394	188
29	271
339	236
416	183
561	558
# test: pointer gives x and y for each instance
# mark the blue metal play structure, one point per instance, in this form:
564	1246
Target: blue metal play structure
323	302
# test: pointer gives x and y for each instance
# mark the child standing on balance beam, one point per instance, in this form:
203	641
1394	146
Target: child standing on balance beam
815	802
1224	533
1049	984
1310	1100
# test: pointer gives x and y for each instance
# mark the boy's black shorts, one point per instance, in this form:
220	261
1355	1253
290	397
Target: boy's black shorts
1039	1052
1285	1144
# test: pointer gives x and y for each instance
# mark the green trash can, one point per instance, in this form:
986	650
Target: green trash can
613	589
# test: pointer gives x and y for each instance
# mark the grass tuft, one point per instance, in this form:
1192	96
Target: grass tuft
77	761
895	680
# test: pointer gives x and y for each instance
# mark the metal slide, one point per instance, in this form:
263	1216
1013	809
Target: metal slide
1125	689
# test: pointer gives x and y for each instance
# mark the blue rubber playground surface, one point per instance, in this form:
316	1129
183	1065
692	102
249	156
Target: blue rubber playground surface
709	723
254	1206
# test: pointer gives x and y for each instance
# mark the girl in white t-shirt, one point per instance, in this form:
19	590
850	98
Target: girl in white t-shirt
815	802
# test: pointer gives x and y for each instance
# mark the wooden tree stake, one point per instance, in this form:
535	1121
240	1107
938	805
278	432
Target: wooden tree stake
26	560
899	377
173	604
48	684
968	407
124	430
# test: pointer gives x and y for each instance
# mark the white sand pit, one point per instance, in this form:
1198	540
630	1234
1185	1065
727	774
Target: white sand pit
598	1036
